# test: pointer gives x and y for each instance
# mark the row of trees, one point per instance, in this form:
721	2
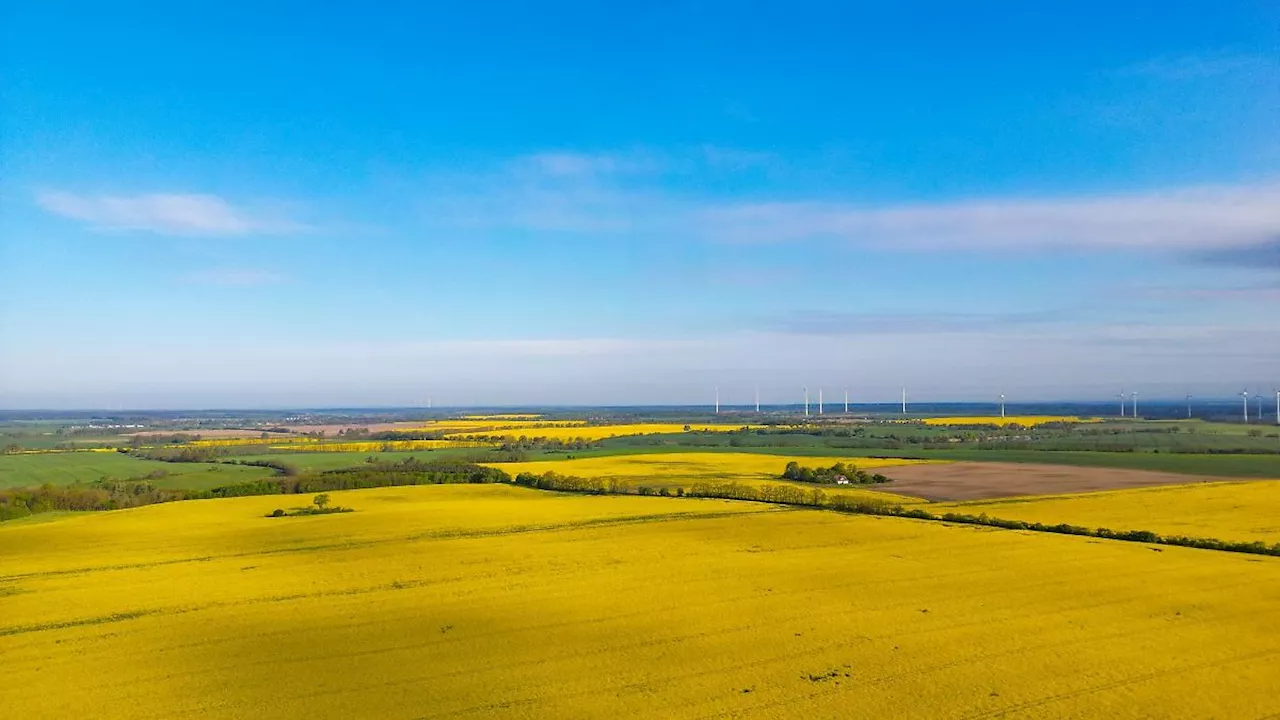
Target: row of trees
409	471
525	444
103	494
179	454
570	483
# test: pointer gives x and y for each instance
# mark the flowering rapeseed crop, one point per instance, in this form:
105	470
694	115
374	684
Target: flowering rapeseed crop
1240	511
595	432
497	601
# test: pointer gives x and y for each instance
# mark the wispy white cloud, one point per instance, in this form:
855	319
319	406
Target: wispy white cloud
1173	220
604	195
578	165
825	322
164	214
235	277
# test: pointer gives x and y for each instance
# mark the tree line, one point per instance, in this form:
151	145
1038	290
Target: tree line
102	494
832	475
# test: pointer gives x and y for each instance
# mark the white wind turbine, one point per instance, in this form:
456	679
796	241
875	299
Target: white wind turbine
904	401
1001	406
1135	405
1245	394
819	401
717	399
1121	396
846	400
806	401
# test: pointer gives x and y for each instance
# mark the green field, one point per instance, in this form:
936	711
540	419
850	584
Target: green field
72	467
1199	426
41	441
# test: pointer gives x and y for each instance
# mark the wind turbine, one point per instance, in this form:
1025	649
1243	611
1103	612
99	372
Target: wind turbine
1188	407
1001	406
904	401
717	399
819	401
1278	407
1259	396
1135	405
806	401
846	401
1245	395
757	399
1121	396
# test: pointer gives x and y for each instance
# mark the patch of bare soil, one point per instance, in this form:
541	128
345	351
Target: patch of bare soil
207	433
984	480
371	427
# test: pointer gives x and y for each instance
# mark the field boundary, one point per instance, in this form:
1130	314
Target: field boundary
818	500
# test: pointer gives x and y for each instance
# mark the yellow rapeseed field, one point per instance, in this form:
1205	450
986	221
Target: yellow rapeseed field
497	601
673	470
1023	420
595	432
483	425
1240	511
373	446
486	425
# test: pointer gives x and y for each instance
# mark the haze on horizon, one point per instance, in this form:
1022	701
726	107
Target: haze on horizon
238	205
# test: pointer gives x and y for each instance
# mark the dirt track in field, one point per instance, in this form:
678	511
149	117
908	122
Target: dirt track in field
983	480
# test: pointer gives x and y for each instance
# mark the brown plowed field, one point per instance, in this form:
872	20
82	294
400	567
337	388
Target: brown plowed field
210	434
981	480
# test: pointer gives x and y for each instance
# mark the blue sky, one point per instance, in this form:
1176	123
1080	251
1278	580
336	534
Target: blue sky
262	204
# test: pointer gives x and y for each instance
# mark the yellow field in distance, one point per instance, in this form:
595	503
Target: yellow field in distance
497	601
504	416
596	432
1023	420
1241	511
477	425
673	470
